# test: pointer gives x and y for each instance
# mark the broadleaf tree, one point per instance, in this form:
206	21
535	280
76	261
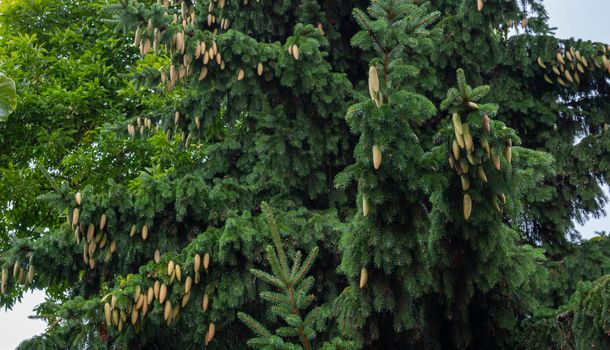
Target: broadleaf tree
8	97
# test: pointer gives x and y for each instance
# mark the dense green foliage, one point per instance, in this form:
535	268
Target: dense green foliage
437	202
68	73
574	294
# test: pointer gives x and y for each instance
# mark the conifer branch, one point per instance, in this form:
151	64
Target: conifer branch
296	265
372	10
277	241
428	19
274	297
254	325
276	267
364	23
289	303
307	264
267	278
462	85
301	328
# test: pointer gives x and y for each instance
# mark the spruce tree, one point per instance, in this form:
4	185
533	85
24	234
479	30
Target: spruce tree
482	265
414	217
382	250
226	141
510	46
404	142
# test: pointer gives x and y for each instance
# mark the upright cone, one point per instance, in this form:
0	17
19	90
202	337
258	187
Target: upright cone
187	284
168	310
170	267
457	124
132	231
485	122
456	150
108	314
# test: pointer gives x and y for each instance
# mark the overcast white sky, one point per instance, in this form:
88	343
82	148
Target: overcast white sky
586	19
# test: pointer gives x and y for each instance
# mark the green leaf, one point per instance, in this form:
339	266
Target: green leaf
8	97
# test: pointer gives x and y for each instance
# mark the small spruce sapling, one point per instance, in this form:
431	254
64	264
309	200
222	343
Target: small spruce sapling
290	302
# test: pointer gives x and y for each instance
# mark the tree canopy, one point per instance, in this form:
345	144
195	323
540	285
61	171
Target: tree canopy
303	175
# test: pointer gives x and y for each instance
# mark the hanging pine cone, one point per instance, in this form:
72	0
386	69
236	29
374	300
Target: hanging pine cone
103	331
376	157
467	206
365	206
364	277
479	5
485	120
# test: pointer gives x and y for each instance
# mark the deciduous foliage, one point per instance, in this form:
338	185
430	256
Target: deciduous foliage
7	97
67	67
